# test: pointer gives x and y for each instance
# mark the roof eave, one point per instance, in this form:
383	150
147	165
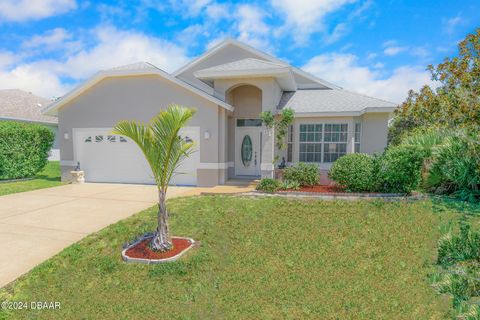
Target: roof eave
208	75
343	113
28	120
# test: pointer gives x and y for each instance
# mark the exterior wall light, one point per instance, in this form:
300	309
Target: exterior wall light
206	135
66	136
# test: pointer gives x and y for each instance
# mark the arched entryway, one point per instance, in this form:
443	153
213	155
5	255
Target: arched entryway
245	135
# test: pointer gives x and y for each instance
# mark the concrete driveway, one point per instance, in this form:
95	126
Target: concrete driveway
38	224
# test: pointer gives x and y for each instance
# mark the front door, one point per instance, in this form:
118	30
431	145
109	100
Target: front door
247	151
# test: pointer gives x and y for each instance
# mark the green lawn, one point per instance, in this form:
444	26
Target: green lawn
260	258
48	177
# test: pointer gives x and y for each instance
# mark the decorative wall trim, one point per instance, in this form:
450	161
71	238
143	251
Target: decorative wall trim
213	165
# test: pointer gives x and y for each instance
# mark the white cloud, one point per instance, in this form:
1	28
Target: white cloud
190	7
22	10
28	77
338	32
51	38
306	16
7	59
394	50
251	26
217	11
112	48
345	70
450	25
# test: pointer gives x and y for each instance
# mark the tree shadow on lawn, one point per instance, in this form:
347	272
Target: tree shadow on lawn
442	203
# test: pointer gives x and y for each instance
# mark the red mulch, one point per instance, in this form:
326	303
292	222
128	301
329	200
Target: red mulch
143	251
320	189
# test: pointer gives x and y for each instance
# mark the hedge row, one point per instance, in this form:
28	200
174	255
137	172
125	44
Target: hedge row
398	170
24	149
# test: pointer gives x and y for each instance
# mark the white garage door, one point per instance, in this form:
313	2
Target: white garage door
106	157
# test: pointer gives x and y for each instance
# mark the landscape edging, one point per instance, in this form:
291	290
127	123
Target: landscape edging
155	261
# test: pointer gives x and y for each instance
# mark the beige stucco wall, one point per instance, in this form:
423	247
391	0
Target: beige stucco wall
139	98
374	132
247	101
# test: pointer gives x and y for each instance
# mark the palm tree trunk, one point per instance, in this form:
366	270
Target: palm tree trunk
162	241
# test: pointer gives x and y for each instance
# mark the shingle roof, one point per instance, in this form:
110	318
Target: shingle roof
245	64
330	100
134	66
20	105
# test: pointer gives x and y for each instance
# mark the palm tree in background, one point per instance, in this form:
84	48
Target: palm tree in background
164	150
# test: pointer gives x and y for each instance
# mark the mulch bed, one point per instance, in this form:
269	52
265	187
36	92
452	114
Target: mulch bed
142	250
319	189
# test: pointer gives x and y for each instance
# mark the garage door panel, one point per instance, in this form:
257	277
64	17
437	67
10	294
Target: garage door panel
112	158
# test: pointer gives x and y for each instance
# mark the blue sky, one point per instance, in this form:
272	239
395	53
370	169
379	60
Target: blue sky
379	48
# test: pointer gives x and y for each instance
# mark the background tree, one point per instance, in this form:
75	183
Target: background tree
164	150
454	103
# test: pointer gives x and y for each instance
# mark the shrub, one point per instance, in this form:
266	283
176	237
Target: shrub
455	166
268	185
24	149
453	248
400	169
427	139
290	185
305	174
355	171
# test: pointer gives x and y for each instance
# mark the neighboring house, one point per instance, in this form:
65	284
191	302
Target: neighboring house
229	86
18	105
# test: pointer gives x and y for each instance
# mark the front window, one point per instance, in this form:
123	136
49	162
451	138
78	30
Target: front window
322	142
335	142
358	128
310	142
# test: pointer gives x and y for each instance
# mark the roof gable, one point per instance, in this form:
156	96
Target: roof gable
230	51
135	69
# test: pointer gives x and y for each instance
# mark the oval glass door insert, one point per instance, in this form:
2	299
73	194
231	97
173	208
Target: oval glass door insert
246	150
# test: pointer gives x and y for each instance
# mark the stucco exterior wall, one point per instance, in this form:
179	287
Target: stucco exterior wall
138	98
247	101
374	132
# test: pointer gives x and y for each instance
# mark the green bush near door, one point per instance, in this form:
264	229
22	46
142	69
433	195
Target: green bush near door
305	174
24	149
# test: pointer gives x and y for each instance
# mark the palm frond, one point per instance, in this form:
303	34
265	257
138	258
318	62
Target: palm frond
160	142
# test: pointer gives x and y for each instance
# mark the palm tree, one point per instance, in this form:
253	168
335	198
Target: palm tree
164	150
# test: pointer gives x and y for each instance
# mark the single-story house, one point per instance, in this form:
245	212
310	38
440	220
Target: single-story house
229	85
19	105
